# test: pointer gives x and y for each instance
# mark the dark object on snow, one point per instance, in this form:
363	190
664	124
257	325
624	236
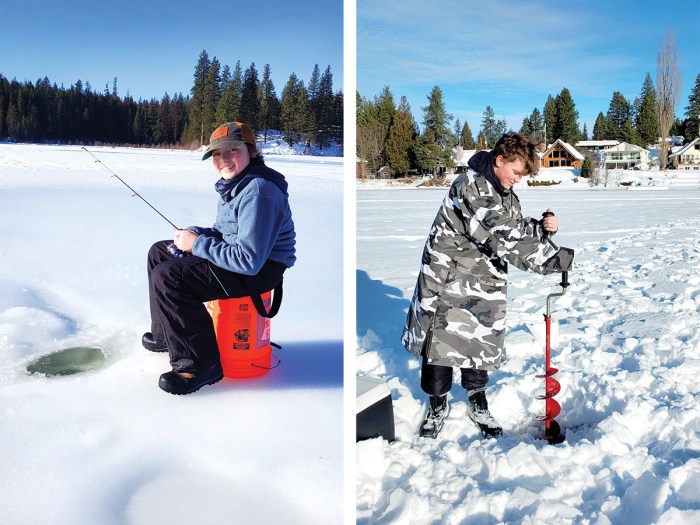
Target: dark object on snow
478	412
174	383
375	411
435	418
68	361
150	344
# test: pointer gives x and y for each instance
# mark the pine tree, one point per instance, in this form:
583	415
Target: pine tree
229	106
268	99
437	141
250	104
584	133
296	113
466	138
536	126
488	126
550	117
692	112
385	106
600	131
587	167
314	86
399	145
457	130
197	105
566	121
647	121
617	117
500	129
526	126
324	111
212	95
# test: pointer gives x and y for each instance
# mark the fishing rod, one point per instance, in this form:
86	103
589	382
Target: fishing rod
171	247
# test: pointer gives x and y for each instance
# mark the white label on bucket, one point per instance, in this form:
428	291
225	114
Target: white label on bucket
266	331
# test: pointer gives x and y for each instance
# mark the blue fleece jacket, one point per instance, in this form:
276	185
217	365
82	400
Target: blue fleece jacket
253	223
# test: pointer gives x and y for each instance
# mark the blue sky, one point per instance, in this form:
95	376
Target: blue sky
152	46
512	54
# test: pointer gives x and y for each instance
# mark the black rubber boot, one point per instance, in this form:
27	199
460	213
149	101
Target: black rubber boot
150	344
174	383
435	418
478	412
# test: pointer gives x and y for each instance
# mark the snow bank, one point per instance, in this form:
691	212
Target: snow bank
567	178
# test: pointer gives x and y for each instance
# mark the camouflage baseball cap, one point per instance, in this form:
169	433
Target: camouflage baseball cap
229	135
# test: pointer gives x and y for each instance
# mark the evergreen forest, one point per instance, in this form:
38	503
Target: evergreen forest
389	138
309	113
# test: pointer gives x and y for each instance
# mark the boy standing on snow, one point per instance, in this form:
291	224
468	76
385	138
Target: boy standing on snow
457	315
245	253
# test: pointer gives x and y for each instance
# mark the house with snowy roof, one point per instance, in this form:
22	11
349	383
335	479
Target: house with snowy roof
461	158
625	156
561	154
686	157
595	145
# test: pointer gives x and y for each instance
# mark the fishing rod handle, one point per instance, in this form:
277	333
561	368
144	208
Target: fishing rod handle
175	251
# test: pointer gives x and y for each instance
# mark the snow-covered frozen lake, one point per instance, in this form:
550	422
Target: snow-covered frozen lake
626	339
108	446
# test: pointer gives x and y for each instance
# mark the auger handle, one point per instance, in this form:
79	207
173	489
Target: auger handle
547	235
564	280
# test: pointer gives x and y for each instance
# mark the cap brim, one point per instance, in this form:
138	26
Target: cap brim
220	144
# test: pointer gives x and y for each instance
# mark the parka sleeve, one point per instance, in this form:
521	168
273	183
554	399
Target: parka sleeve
516	240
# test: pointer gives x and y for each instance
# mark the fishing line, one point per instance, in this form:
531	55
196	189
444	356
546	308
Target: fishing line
171	247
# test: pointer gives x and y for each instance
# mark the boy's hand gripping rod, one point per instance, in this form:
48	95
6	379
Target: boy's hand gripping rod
171	247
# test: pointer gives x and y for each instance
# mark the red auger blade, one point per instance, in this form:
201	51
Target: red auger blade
552	388
553	408
548	373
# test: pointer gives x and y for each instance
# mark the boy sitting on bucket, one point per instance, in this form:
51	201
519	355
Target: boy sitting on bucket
245	253
457	315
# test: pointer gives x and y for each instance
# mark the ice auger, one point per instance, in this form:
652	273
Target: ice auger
553	432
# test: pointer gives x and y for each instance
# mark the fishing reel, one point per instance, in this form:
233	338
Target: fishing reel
175	251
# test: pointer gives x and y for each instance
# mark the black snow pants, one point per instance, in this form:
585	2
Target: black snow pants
178	288
436	380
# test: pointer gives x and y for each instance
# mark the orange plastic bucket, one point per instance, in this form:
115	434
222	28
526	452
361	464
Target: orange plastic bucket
242	335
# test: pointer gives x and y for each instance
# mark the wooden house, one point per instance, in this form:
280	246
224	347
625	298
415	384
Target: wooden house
561	154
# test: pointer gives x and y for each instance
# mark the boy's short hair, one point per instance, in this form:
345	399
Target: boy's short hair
514	146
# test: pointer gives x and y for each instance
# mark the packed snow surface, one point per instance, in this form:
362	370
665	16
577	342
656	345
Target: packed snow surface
626	341
108	446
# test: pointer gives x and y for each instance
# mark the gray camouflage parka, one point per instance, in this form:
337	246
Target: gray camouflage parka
457	315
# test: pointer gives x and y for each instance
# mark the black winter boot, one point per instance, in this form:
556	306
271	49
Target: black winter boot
179	384
435	418
478	412
151	344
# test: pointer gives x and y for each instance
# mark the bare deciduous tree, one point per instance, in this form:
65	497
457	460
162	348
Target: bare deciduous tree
668	85
370	143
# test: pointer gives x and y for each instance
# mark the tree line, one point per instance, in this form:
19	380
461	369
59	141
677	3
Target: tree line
44	112
388	135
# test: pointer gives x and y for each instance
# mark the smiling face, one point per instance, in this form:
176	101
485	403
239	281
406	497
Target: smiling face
229	162
508	173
